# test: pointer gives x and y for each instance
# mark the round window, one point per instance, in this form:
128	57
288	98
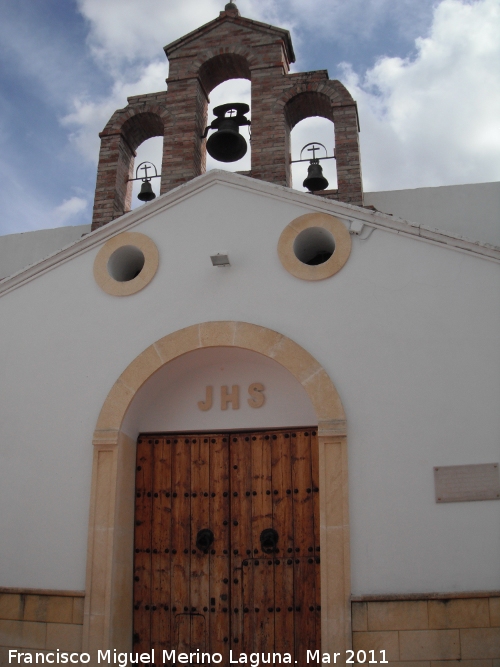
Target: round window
314	246
126	264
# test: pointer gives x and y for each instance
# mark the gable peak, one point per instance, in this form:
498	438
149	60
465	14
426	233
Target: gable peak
231	9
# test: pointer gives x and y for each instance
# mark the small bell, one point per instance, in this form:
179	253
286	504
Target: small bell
146	193
315	180
227	144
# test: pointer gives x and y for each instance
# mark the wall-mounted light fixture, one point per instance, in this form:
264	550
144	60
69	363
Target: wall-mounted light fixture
220	259
356	227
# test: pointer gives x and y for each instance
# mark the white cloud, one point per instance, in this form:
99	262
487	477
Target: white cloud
129	30
89	116
69	209
337	17
433	120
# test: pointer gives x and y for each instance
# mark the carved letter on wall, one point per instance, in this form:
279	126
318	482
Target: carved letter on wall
257	398
207	403
233	397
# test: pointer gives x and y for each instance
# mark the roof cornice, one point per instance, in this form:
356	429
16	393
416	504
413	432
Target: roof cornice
346	212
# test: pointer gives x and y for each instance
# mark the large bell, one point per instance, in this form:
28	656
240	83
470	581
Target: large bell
315	180
146	193
227	144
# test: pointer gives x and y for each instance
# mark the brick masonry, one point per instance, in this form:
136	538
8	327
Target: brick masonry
40	622
430	632
228	47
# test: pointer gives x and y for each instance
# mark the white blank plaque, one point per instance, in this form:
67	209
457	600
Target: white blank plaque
454	484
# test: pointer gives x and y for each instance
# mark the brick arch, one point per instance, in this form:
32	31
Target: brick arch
125	131
333	89
216	66
307	104
328	99
108	600
127	119
142	126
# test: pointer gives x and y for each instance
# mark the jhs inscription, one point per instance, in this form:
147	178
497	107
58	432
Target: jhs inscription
461	483
256	398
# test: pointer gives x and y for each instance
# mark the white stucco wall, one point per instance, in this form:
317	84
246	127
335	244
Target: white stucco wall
408	332
471	211
18	251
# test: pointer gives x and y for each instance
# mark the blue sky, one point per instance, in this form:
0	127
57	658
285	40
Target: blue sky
426	75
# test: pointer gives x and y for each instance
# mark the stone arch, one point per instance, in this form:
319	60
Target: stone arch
108	600
301	364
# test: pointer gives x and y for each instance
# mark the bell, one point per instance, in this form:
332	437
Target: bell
146	193
227	144
315	180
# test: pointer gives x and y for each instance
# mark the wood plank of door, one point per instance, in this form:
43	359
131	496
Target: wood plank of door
219	593
262	518
160	546
317	555
281	470
200	558
241	533
304	564
181	538
142	546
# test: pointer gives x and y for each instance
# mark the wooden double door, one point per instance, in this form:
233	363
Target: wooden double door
227	552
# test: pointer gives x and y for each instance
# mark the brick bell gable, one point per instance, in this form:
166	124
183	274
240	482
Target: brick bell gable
226	48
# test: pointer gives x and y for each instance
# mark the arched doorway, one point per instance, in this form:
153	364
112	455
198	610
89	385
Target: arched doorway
109	592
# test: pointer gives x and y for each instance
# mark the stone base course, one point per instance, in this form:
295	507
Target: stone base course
458	632
437	632
38	622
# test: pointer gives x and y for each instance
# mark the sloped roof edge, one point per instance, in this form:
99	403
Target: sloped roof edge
346	212
249	23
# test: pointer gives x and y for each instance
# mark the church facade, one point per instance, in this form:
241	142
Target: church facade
243	419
